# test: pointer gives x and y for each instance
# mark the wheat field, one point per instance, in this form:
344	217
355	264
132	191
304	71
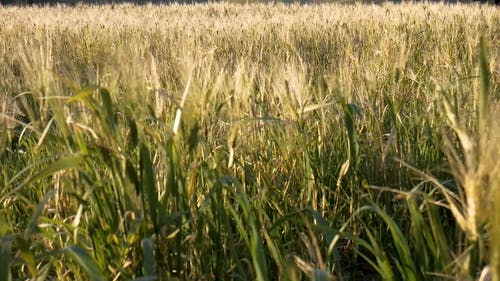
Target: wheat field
250	142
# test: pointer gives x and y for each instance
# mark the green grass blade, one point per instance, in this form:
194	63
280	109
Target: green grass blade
38	211
66	163
442	247
5	257
86	261
349	121
43	272
83	93
148	185
70	162
321	275
485	76
381	263
109	111
427	253
148	256
145	278
401	244
251	232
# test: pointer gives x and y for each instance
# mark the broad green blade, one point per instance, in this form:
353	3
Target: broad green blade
5	257
83	93
109	112
86	261
66	163
148	256
401	244
148	185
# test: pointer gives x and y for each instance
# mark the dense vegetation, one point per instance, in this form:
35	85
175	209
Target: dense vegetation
256	142
146	2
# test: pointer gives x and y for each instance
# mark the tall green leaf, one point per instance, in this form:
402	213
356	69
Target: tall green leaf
86	261
148	256
148	185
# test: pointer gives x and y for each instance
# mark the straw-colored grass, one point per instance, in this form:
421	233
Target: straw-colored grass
259	142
